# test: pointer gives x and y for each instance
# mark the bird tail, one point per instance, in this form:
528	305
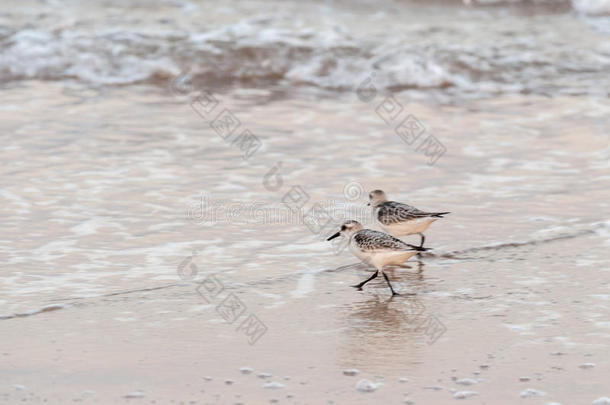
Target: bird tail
439	214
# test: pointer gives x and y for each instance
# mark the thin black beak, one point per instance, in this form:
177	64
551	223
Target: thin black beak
334	236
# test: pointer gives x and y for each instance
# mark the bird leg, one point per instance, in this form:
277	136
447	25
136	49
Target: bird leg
423	238
389	285
359	286
421	244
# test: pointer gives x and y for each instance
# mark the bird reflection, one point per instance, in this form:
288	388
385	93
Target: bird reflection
394	321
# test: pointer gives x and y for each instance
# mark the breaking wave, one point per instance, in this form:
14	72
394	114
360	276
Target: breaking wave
258	51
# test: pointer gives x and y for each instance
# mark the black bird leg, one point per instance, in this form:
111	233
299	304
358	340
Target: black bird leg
359	286
389	285
421	244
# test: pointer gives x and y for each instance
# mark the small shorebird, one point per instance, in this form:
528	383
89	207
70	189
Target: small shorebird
401	219
376	248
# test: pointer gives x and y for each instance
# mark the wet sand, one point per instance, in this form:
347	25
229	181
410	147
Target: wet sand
100	198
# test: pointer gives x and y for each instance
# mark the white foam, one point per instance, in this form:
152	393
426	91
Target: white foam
304	286
367	386
592	7
323	56
464	394
531	392
273	385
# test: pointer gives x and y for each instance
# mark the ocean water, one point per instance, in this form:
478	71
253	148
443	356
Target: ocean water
547	49
123	198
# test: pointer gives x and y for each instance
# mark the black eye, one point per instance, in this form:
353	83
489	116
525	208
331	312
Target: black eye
343	228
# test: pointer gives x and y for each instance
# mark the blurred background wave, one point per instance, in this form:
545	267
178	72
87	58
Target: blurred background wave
476	48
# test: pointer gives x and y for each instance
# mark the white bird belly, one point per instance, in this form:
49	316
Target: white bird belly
383	258
418	225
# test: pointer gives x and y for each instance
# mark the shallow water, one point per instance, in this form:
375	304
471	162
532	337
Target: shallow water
107	191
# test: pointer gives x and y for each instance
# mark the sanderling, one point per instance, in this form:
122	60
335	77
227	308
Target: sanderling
376	248
401	219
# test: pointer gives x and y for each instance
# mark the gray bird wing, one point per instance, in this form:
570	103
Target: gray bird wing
375	241
391	212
